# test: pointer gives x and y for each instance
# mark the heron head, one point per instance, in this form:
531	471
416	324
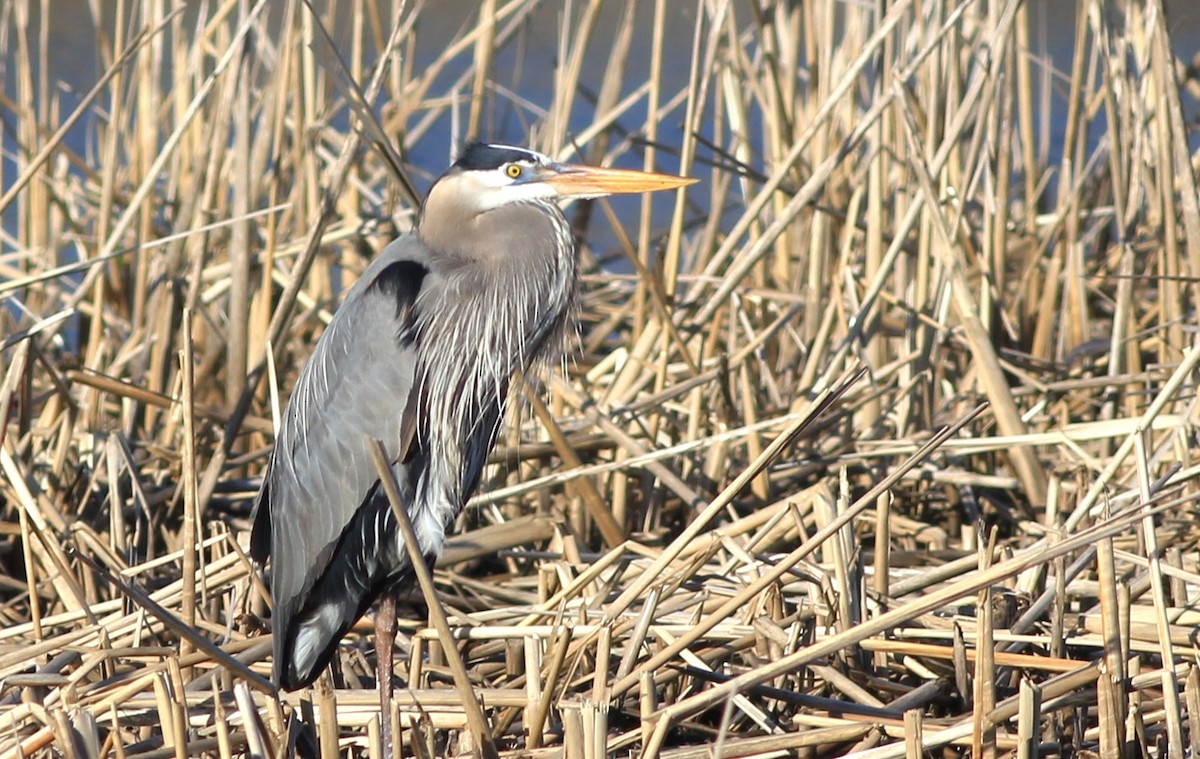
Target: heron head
488	176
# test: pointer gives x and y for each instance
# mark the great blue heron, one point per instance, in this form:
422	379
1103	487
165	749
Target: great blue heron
419	357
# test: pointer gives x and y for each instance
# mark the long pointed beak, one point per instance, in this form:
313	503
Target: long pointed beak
592	181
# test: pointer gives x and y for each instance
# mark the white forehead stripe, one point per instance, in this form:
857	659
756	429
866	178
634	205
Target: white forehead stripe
533	155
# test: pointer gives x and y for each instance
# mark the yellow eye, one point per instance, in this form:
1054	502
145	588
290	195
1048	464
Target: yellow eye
514	170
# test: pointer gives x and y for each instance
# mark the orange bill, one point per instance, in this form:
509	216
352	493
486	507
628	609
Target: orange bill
592	181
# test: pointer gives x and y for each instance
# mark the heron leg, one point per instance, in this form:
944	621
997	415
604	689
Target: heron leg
385	637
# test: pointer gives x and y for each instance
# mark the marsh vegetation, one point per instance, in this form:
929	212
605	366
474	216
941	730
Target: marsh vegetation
876	441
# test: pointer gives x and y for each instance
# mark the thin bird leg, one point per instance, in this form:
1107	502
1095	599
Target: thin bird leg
385	636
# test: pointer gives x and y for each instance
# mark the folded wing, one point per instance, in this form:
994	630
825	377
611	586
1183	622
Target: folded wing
320	516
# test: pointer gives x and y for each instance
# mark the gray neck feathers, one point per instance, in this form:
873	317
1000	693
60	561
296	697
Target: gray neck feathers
507	295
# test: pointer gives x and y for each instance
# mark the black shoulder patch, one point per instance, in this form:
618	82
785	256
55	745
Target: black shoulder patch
478	156
260	533
402	282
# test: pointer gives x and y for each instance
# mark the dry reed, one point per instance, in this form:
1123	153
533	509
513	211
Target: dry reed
878	441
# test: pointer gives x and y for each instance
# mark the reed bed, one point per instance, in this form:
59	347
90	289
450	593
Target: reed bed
876	443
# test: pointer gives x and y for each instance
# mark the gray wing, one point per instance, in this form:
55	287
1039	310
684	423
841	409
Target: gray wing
357	386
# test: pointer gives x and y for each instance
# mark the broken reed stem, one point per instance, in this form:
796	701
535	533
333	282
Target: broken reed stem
191	516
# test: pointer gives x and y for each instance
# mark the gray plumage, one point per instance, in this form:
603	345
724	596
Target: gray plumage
419	356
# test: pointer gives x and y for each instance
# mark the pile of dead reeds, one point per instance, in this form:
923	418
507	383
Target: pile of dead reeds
877	440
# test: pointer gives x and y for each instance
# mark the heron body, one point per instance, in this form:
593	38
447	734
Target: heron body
419	356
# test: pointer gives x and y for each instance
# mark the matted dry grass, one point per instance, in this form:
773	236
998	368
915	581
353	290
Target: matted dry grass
883	444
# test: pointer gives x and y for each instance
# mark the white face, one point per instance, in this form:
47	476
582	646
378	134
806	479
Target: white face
511	182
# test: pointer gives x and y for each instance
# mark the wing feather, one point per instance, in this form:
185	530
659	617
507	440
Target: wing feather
356	386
